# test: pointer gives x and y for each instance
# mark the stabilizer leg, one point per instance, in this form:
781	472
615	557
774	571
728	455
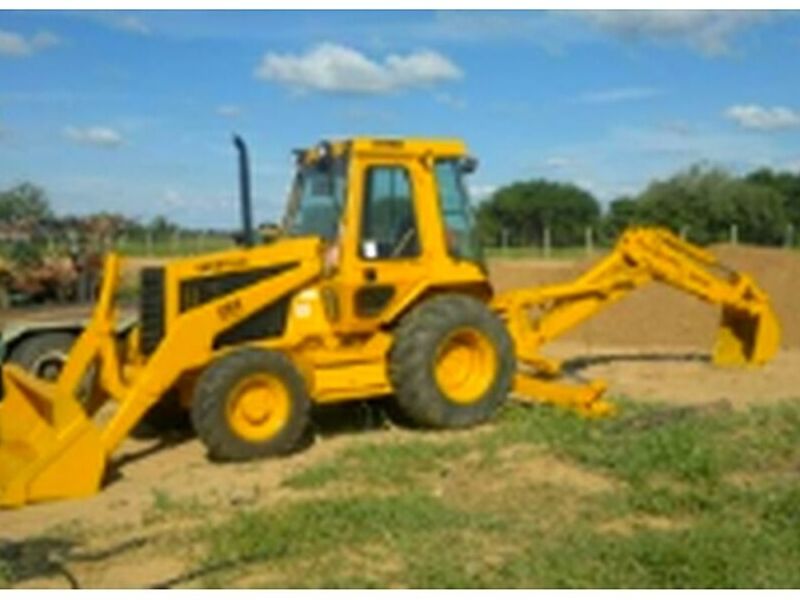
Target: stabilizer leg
587	399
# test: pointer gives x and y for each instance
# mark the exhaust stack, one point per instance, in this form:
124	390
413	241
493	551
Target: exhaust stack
248	235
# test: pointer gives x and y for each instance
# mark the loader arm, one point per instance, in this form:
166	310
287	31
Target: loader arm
51	447
749	333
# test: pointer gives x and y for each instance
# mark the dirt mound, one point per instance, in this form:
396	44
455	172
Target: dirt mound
660	315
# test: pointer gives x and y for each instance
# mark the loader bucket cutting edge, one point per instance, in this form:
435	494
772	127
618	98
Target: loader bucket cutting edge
745	338
48	447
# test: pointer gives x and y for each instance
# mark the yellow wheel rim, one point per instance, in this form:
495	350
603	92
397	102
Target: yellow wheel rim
466	365
258	407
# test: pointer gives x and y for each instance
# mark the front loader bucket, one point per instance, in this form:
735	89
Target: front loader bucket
746	338
49	448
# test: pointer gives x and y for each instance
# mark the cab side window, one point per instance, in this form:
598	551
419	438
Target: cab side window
389	225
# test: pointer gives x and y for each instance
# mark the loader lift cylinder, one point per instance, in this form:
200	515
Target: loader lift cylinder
248	237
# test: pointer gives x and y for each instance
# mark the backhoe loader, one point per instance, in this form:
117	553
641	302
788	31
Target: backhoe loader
376	287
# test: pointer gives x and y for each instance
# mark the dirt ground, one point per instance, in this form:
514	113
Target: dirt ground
651	347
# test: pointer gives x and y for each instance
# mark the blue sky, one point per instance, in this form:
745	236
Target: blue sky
133	111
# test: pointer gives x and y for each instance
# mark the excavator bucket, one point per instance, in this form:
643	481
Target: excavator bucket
746	338
49	448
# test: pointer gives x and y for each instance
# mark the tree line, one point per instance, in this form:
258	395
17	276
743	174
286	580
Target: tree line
704	204
27	213
31	232
701	203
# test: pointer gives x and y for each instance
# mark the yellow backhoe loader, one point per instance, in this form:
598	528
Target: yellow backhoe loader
376	286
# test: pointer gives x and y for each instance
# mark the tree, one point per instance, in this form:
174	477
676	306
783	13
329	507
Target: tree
786	184
622	213
524	209
161	228
25	201
708	202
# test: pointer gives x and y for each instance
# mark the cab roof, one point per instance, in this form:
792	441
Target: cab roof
385	146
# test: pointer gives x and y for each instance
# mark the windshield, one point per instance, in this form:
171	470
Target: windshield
316	199
462	239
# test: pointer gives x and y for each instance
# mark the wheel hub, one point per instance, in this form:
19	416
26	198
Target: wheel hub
49	366
465	366
258	407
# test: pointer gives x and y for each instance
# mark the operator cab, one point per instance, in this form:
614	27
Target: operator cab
319	190
389	213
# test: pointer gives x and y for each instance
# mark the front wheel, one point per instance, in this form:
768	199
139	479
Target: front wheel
452	362
250	403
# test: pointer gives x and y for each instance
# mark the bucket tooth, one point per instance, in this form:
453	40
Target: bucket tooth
48	447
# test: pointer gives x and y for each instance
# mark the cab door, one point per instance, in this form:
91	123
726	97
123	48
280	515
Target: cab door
384	261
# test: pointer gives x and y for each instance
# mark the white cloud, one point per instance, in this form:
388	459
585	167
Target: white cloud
613	95
753	116
335	68
104	137
131	24
710	32
229	110
17	45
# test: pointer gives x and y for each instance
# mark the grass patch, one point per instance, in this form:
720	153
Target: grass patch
5	574
323	531
166	506
382	464
676	516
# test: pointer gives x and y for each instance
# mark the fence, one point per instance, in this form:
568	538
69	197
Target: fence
594	241
176	244
147	244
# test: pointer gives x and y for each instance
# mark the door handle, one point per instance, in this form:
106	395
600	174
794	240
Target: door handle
370	275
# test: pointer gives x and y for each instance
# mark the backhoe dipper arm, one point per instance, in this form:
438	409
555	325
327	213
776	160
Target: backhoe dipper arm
748	334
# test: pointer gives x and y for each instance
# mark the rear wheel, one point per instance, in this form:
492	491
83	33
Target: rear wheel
250	403
43	354
452	362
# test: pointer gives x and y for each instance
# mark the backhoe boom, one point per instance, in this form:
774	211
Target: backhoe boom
748	333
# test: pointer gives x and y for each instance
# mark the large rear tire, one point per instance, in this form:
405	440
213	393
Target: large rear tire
43	354
452	362
250	403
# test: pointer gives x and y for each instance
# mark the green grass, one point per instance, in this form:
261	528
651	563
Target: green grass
165	507
379	464
693	499
5	574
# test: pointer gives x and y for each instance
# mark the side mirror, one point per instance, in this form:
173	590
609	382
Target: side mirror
468	164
